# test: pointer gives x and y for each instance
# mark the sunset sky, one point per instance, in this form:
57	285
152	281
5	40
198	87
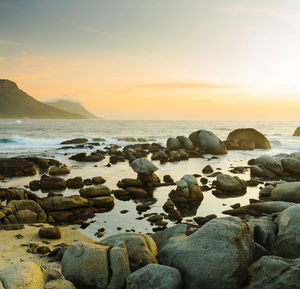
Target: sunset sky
157	59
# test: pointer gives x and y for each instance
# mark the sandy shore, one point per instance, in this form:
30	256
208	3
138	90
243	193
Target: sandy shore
12	251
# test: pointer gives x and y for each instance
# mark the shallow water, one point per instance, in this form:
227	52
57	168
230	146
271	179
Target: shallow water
42	138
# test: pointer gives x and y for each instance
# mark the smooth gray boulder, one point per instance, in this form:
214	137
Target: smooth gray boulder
173	144
97	266
216	256
272	272
291	165
288	192
287	243
25	275
186	143
141	248
228	183
260	171
154	276
208	142
270	164
143	166
295	155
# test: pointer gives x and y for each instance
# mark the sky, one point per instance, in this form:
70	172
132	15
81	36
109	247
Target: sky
157	59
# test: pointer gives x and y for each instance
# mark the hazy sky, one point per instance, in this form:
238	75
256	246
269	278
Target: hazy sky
157	59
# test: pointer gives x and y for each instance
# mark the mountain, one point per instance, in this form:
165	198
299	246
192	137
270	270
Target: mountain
15	103
72	106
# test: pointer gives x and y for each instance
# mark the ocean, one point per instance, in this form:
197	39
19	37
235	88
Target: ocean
43	138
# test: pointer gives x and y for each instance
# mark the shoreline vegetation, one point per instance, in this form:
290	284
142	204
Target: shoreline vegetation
252	246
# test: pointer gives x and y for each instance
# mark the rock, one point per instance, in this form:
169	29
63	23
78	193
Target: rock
168	205
13	167
127	182
55	171
127	139
168	179
215	256
297	132
173	144
154	276
143	166
75	141
266	191
83	157
186	143
287	243
98	266
227	183
249	135
98	180
34	185
136	193
141	248
174	215
260	171
75	183
203	220
102	202
121	195
63	203
53	274
51	183
207	169
170	237
270	164
155	218
50	233
288	192
60	284
291	165
208	142
271	272
259	208
26	275
95	191
148	180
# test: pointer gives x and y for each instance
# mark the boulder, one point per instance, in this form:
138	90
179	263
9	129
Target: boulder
95	191
13	167
52	183
287	243
216	256
60	284
154	276
271	272
141	248
260	171
75	141
291	165
98	180
173	144
143	166
136	193
75	183
288	192
102	202
55	171
50	232
270	163
34	185
96	266
227	183
249	135
297	132
186	143
63	203
24	275
208	142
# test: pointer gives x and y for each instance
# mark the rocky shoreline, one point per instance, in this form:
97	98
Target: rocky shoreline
257	246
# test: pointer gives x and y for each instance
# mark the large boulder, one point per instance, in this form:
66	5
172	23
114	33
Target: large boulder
154	276
141	248
208	142
186	143
95	191
287	243
291	165
24	275
271	272
288	192
55	171
216	256
63	203
173	144
95	266
270	163
297	132
244	136
227	183
143	166
52	183
13	167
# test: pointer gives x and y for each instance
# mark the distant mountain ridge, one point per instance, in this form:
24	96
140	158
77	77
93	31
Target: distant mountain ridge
71	106
15	103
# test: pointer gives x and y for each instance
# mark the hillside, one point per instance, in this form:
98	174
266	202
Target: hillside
73	107
15	103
